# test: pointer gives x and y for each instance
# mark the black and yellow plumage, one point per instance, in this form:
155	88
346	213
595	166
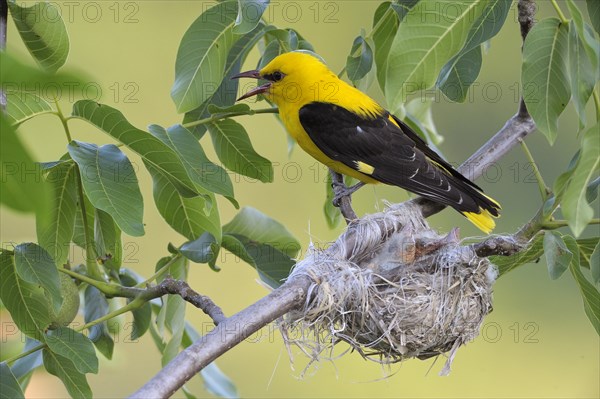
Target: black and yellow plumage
348	131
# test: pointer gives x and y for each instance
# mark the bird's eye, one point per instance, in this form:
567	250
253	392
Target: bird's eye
277	76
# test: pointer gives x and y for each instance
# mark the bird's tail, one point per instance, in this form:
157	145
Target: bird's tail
488	210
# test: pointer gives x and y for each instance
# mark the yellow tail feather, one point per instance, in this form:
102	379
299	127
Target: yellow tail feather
483	220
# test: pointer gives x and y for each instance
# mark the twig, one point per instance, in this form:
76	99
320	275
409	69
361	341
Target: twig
181	288
498	245
345	204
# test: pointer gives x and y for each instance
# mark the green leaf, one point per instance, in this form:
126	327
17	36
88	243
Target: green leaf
545	56
110	183
594	10
531	254
595	263
202	250
419	116
107	237
217	383
243	109
249	15
385	25
461	71
582	73
586	248
457	77
589	294
44	33
16	74
273	265
35	266
9	386
26	302
260	228
558	256
272	50
358	66
65	370
152	150
141	316
202	56
96	306
74	346
187	216
427	38
574	205
22	186
55	226
234	149
591	192
22	106
207	176
173	312
226	94
78	230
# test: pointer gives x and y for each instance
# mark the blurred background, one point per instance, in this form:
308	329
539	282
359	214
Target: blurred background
536	343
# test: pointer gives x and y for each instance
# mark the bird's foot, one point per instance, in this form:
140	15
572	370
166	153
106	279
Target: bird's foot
341	190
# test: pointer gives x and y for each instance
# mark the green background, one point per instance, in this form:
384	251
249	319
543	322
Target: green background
536	343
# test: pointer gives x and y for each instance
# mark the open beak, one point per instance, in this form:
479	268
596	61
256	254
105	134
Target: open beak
255	74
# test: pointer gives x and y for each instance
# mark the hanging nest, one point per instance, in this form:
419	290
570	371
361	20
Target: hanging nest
393	289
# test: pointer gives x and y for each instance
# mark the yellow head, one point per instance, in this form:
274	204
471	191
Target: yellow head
294	77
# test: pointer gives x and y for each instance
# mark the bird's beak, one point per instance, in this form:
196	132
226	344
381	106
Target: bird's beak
255	74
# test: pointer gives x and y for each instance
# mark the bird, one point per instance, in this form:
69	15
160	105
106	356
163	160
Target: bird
352	134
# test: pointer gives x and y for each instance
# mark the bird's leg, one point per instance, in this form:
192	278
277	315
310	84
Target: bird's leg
342	195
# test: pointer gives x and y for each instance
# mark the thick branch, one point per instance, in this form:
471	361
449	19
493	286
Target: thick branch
224	337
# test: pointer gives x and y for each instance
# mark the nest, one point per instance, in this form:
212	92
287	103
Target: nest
393	289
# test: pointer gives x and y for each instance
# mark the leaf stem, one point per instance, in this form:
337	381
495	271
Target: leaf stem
63	120
108	289
597	104
555	224
225	115
26	353
544	190
160	272
562	17
134	304
369	36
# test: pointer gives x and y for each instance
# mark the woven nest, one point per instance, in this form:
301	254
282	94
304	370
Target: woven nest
393	289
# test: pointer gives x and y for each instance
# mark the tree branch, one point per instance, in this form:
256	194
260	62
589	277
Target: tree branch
224	337
181	288
293	293
345	200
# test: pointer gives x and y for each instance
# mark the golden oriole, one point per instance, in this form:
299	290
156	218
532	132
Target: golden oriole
349	132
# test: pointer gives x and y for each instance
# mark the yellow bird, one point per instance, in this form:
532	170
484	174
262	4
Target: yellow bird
350	133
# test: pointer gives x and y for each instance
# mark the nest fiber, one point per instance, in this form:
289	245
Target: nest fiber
393	289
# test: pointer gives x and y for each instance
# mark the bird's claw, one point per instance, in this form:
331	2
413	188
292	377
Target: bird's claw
340	190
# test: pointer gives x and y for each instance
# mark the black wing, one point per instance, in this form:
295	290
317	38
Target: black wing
390	154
